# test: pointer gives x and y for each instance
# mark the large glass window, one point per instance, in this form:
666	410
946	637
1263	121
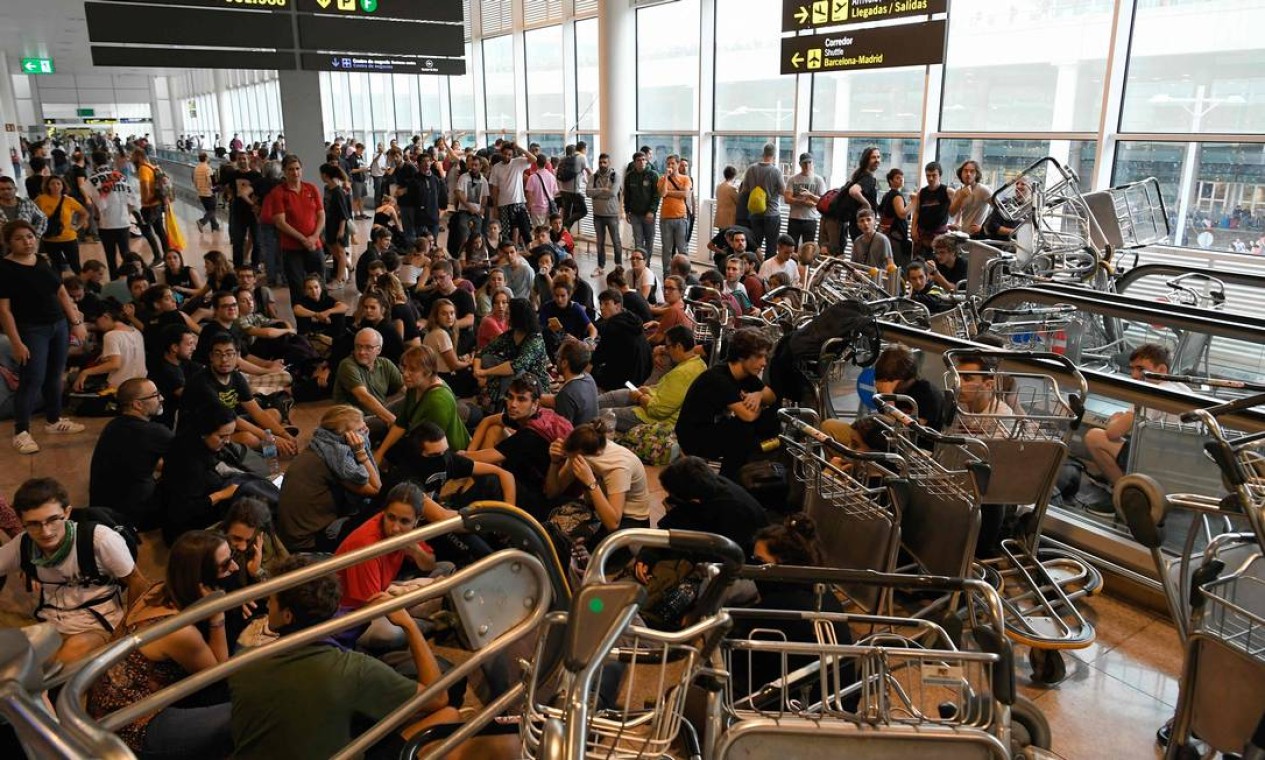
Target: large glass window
741	151
498	83
750	93
544	78
1001	160
382	101
1026	65
881	100
587	82
835	158
661	147
667	66
551	143
1221	206
1196	66
428	98
461	96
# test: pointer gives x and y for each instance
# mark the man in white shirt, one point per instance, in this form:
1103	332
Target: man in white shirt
473	199
84	604
116	200
783	261
508	194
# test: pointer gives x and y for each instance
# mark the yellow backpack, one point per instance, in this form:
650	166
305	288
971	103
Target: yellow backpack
757	201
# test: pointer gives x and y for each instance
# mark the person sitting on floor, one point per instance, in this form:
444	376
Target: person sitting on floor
223	384
129	454
662	401
608	476
368	381
622	354
427	398
327	483
576	400
85	605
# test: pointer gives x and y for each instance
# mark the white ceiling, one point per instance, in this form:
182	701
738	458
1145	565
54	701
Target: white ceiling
56	29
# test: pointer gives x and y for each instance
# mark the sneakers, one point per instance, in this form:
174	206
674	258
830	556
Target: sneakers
598	272
25	444
201	225
63	427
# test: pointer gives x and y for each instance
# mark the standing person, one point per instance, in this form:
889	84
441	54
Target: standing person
377	171
358	172
508	195
641	200
726	214
66	219
969	206
115	200
429	196
295	208
473	200
931	212
861	191
541	189
605	190
674	188
203	184
803	191
153	205
573	177
38	317
764	180
338	221
893	212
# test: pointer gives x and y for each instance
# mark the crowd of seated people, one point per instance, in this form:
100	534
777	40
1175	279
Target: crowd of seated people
484	369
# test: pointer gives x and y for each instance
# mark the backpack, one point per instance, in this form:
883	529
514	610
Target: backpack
757	201
568	169
671	591
89	519
827	201
162	184
55	226
844	206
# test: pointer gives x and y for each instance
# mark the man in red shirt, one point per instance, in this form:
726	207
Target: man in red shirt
361	583
298	212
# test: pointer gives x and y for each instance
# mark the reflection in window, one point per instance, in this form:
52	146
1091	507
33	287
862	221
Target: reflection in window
878	100
661	146
1016	65
1002	160
551	143
743	151
835	158
1196	66
750	93
587	85
1223	207
667	66
498	83
544	78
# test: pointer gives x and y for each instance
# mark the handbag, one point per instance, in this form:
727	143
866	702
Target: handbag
55	225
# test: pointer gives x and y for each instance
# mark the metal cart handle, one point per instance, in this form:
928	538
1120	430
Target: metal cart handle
1075	401
791	417
884	402
1229	407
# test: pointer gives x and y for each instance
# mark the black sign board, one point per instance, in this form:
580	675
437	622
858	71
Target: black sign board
381	36
798	15
876	48
414	10
166	25
194	58
383	64
281	6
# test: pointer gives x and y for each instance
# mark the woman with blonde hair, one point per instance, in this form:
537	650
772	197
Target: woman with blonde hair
404	316
441	336
327	482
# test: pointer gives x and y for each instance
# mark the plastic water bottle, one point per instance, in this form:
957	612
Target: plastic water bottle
608	420
269	452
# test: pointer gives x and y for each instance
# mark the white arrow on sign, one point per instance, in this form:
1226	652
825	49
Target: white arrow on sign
30	66
795	59
801	15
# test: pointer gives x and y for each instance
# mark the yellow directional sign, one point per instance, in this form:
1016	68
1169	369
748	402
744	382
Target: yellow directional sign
798	15
874	48
814	58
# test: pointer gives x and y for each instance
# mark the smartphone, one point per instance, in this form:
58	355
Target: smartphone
628	384
554	324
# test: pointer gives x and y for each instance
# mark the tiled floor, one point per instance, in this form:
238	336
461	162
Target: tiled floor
1118	691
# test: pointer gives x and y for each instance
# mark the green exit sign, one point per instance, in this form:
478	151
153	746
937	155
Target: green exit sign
85	112
38	66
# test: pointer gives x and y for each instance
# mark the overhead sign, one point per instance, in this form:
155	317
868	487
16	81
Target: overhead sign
383	64
194	58
799	15
852	50
38	66
449	11
379	36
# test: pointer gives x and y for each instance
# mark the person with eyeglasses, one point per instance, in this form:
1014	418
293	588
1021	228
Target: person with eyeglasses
129	453
223	384
200	561
83	609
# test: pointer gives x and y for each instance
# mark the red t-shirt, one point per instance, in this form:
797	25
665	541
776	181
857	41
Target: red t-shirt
301	209
361	582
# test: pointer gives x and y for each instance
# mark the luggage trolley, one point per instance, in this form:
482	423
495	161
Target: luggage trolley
621	693
1034	328
1025	421
902	687
1208	556
856	503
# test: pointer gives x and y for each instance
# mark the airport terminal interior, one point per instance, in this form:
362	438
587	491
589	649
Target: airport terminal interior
632	379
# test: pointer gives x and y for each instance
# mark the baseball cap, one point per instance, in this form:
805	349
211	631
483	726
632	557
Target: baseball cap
805	158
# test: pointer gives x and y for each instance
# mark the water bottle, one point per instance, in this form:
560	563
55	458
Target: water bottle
269	452
608	421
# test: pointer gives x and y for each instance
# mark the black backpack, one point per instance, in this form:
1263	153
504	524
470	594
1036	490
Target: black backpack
568	169
88	520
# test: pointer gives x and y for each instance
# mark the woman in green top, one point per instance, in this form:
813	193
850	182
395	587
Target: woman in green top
426	398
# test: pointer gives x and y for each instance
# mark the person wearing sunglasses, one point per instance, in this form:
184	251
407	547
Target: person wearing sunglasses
129	453
201	561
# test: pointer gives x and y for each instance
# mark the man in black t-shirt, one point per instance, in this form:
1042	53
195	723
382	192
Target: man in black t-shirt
444	287
727	410
948	268
128	453
224	384
243	216
699	499
170	367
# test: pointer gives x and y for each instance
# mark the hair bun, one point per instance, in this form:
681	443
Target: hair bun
802	525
